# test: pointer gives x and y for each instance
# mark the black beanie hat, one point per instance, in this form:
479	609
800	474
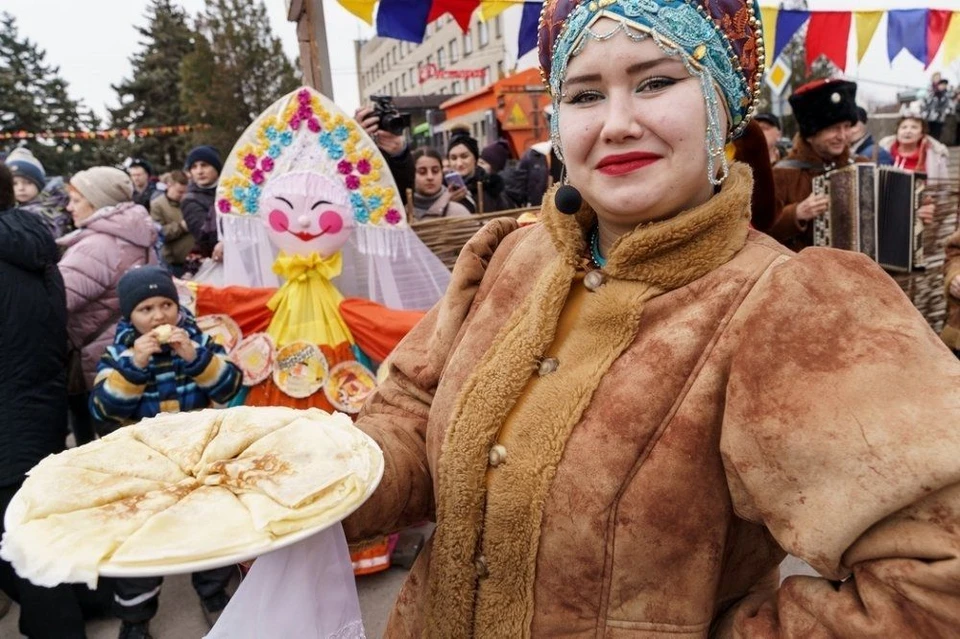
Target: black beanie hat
143	164
143	283
205	153
466	141
823	103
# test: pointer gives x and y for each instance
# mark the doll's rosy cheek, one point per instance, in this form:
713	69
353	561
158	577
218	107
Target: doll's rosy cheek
279	221
331	222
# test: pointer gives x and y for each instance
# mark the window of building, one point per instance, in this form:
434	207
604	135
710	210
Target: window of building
441	57
455	88
483	34
498	27
454	51
430	59
467	44
403	82
443	90
500	71
412	82
487	77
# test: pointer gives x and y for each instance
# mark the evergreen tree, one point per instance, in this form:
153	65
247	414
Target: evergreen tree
236	73
151	96
34	98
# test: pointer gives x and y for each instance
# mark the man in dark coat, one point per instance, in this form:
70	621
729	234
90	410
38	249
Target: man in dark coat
825	111
33	395
528	181
203	165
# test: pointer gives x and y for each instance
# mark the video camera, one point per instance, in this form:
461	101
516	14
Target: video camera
391	120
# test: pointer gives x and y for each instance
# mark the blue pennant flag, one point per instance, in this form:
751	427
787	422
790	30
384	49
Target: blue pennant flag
529	27
907	29
403	19
788	23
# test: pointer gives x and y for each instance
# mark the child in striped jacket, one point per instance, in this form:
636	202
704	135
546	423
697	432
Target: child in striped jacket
159	361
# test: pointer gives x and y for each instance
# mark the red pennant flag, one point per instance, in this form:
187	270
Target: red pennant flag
461	10
827	34
937	23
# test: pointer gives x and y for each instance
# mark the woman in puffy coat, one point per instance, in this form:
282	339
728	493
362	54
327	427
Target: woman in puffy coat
113	235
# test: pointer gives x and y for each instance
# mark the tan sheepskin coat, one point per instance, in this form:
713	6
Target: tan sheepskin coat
716	402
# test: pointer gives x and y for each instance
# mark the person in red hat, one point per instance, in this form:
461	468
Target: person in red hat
825	110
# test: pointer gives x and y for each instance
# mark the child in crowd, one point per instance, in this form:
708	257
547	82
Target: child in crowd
34	193
165	211
148	371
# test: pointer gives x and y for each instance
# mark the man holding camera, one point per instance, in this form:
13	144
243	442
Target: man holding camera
393	146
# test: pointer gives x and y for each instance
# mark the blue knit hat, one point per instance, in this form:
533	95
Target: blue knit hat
143	283
205	153
23	164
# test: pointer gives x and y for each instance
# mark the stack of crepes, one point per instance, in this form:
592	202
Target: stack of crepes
187	487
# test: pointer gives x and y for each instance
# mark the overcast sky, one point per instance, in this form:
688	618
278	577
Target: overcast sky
92	40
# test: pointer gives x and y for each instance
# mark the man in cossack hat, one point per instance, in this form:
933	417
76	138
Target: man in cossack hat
825	110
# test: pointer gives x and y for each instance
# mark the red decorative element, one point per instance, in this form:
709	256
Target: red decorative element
250	161
295	123
257	177
267	164
393	216
303	96
827	34
224	206
344	167
938	21
314	125
461	10
363	166
353	182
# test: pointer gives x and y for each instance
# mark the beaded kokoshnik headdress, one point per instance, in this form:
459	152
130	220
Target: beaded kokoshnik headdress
720	42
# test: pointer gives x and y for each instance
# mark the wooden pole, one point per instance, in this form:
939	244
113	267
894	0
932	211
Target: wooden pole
312	36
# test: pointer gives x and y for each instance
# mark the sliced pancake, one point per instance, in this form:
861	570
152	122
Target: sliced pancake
294	464
244	425
329	506
210	522
69	547
122	456
182	437
61	489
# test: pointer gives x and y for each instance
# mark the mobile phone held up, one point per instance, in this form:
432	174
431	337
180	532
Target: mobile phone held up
454	180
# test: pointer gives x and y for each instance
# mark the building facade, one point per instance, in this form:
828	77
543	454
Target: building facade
447	62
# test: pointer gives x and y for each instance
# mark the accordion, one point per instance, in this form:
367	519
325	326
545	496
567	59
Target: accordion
873	210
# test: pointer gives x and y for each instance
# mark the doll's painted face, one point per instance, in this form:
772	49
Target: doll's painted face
307	213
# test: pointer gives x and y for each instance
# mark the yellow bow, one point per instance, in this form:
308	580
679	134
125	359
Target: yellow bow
307	306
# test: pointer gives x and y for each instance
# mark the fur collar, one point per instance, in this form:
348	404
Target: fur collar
713	231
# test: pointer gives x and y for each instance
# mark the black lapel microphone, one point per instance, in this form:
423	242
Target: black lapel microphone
568	199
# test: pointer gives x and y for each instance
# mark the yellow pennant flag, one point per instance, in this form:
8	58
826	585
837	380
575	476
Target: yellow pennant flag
769	17
866	25
951	40
363	9
490	9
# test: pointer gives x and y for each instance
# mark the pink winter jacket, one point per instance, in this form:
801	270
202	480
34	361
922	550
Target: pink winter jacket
108	244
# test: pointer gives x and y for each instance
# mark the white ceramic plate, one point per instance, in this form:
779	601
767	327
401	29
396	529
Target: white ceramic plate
16	509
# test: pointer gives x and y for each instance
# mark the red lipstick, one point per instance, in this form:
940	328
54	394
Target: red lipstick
623	163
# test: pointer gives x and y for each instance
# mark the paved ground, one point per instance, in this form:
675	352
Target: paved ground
180	616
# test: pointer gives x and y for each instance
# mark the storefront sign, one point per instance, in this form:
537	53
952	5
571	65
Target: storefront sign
433	72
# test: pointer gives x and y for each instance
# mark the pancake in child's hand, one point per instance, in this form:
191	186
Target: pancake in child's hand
163	333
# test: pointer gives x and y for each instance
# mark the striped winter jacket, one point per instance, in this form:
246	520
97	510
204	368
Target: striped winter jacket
124	393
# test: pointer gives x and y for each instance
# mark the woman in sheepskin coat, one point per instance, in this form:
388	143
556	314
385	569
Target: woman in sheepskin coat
622	418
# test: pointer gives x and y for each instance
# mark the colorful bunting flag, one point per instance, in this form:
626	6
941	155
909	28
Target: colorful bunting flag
403	19
937	23
363	9
490	9
828	34
769	17
788	23
866	25
529	26
907	29
951	40
461	10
